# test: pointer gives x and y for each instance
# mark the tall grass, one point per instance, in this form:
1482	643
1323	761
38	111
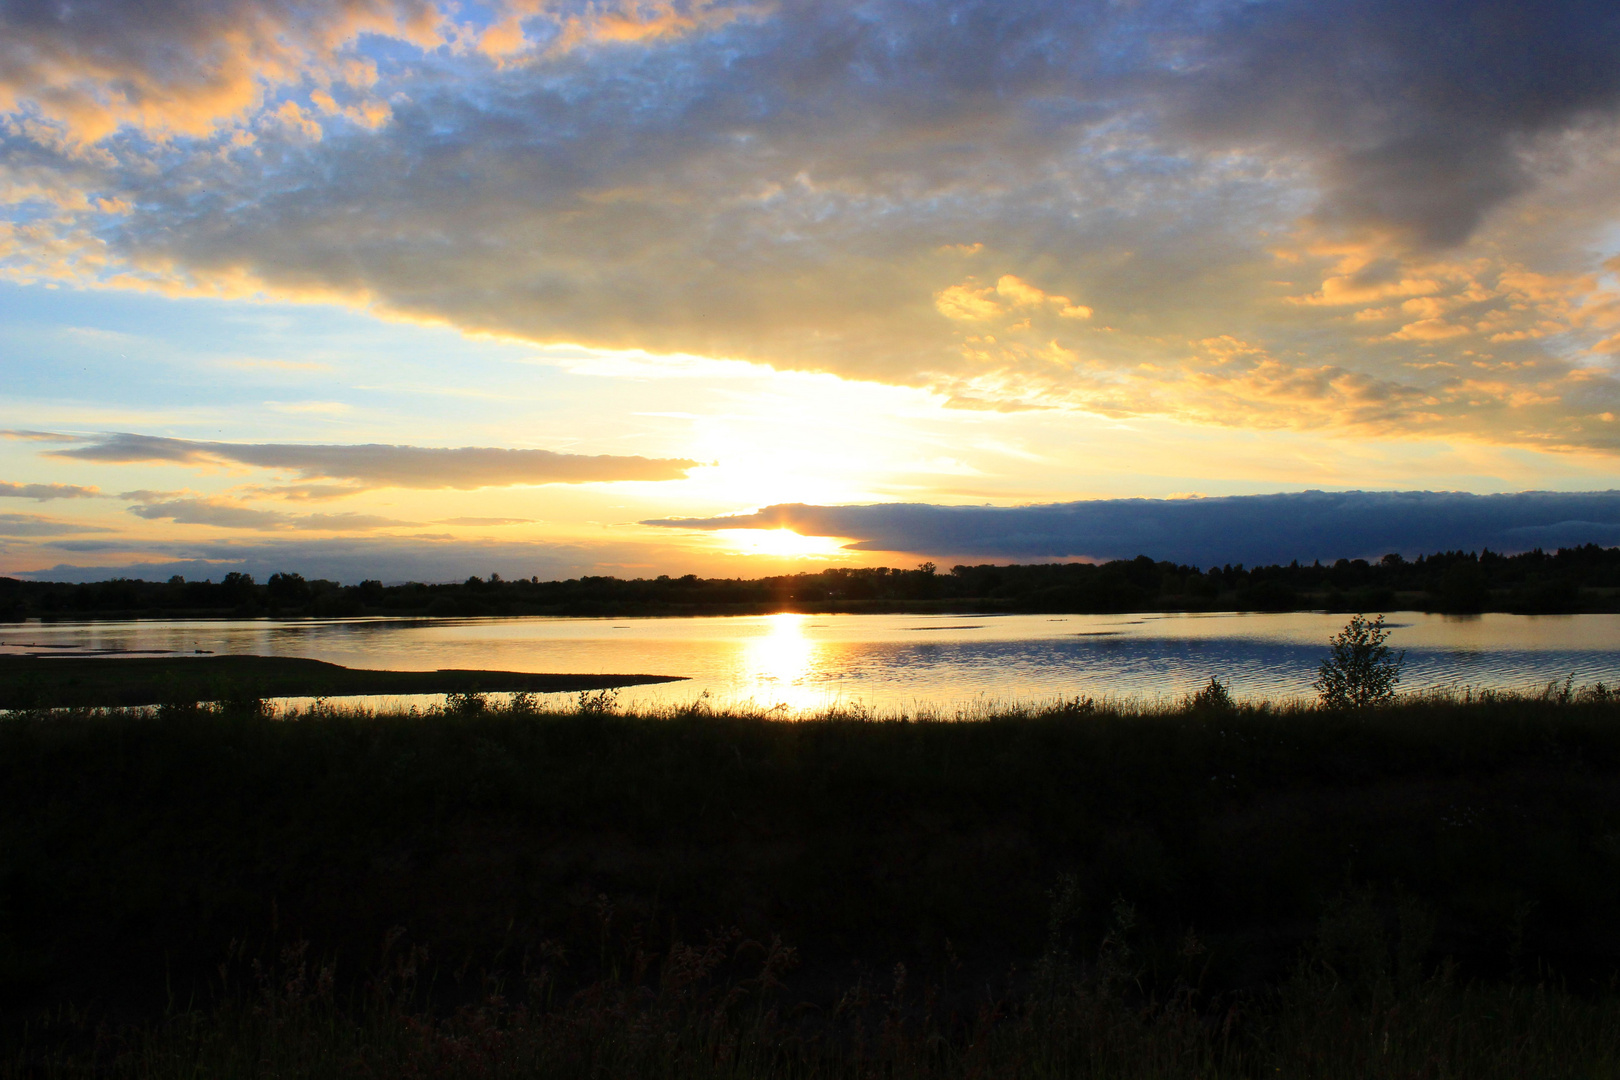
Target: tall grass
1086	888
1355	1006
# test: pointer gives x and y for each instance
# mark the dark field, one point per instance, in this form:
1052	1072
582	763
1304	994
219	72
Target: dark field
1220	891
31	682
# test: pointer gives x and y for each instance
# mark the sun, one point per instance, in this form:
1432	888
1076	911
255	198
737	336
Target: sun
781	543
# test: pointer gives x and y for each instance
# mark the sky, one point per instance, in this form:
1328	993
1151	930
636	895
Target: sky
417	290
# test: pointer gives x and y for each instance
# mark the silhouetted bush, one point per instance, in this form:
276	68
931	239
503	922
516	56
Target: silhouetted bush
1361	669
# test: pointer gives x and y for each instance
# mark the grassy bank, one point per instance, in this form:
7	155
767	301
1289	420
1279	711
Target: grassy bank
32	682
1426	866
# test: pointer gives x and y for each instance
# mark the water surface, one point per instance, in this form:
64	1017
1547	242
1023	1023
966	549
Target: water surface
890	662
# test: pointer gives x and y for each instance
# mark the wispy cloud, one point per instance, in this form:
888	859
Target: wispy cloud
1248	529
227	514
47	492
376	465
24	525
484	521
304	492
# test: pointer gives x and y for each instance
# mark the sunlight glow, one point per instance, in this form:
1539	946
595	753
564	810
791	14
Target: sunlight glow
778	662
782	543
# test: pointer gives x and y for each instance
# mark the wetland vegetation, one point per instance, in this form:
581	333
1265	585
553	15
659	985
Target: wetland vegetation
1423	888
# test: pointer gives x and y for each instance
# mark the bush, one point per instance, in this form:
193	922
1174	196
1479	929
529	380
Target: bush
1216	697
1362	670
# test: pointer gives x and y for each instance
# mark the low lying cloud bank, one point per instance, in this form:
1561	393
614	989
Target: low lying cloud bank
1249	529
373	465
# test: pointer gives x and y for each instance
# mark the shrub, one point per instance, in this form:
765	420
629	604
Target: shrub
465	703
1361	670
599	702
1216	697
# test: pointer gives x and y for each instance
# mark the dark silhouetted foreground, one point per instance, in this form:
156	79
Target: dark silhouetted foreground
1426	888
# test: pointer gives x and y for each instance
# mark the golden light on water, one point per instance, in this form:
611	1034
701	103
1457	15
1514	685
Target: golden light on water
778	661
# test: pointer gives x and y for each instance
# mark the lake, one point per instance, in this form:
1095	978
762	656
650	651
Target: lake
894	662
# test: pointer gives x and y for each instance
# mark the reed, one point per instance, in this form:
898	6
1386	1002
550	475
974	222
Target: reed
1104	888
689	1013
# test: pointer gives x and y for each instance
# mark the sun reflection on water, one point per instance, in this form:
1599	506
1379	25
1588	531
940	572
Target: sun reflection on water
778	664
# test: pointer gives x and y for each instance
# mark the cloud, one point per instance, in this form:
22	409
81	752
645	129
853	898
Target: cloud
1010	295
1250	529
225	514
1026	203
185	67
485	521
46	492
94	546
1418	117
305	492
22	435
21	525
376	465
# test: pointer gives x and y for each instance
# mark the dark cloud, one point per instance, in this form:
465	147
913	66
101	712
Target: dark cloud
46	492
1420	117
847	187
1250	529
378	465
90	546
1416	114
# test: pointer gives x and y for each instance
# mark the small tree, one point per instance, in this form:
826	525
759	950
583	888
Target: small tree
1362	670
1216	697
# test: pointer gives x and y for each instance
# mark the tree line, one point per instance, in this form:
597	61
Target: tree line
1570	579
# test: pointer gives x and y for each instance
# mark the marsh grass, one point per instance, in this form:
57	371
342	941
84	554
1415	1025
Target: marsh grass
1358	1004
1081	888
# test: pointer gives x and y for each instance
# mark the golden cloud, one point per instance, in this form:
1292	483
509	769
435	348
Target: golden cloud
789	185
185	70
